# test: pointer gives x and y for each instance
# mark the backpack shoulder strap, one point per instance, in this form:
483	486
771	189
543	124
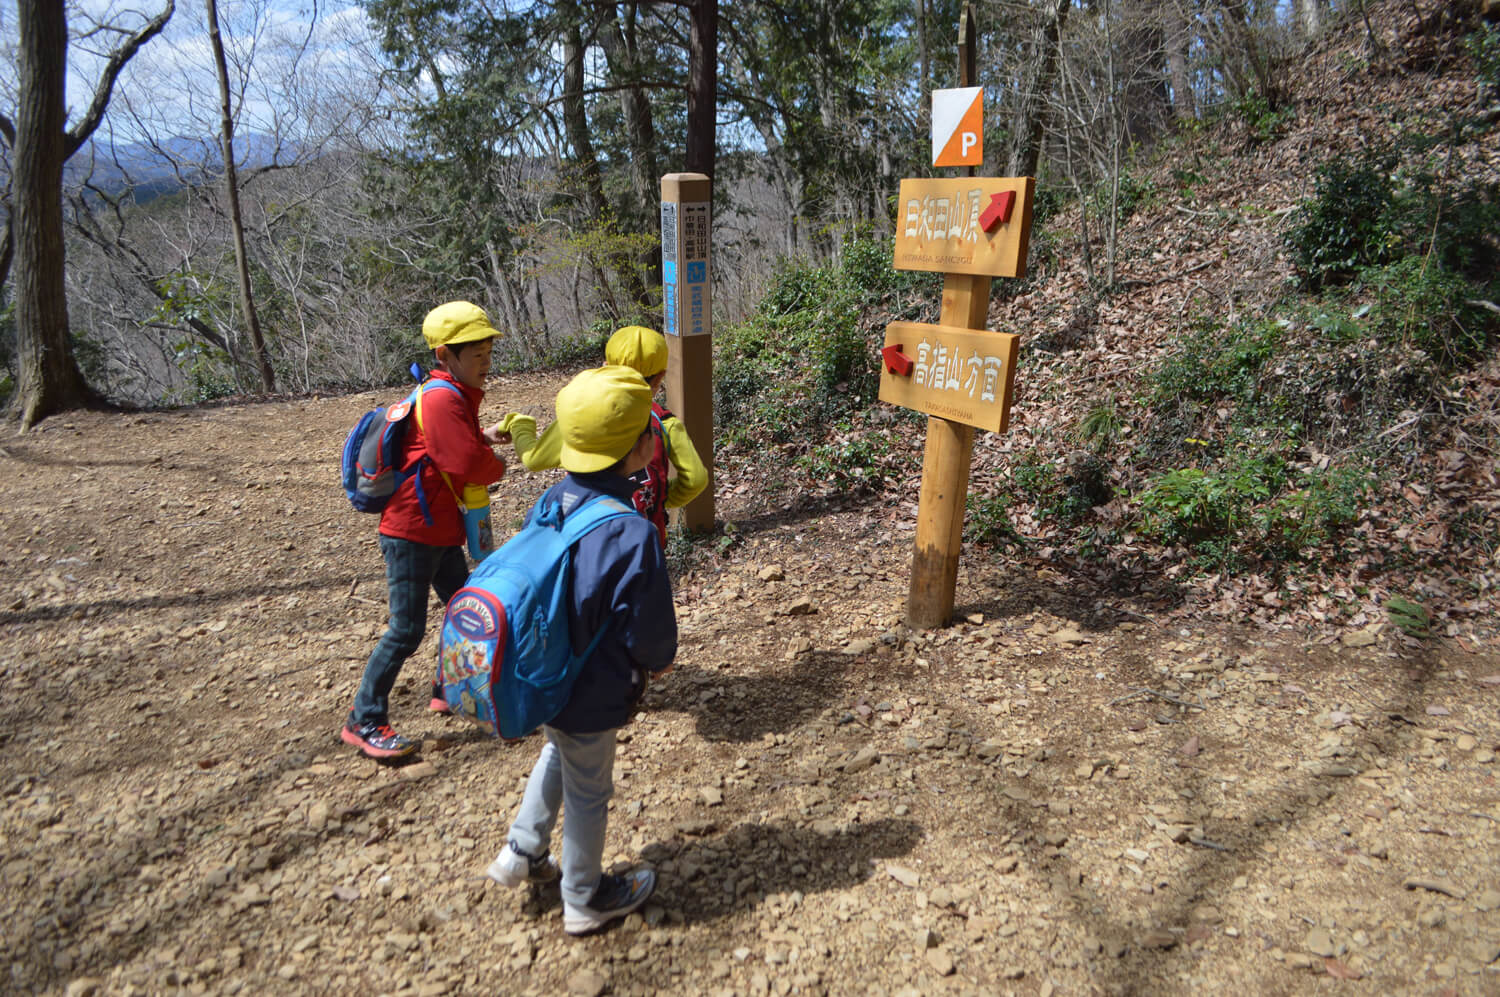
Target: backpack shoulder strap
591	515
417	410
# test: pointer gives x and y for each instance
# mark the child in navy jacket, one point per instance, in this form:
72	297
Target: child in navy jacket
619	584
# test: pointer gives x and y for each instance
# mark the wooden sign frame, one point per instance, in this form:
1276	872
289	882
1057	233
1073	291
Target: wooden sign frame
941	225
963	375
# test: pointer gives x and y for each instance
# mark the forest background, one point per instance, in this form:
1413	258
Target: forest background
387	156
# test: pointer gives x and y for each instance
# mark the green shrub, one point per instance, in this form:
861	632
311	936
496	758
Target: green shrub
1484	48
1348	223
1454	219
1191	506
1412	617
1420	304
1263	121
1325	502
1101	425
807	356
987	520
1212	363
1133	193
1373	207
850	463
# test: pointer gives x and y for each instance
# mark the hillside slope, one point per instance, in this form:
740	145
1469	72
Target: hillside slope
1352	468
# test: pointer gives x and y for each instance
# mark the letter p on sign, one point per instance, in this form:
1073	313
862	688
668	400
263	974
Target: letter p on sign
958	127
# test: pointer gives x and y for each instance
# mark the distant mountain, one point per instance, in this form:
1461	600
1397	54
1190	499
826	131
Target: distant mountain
153	169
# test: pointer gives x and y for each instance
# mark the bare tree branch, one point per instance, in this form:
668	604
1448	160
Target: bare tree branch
80	132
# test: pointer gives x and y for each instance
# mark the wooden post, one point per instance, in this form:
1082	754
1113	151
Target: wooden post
686	200
945	477
950	445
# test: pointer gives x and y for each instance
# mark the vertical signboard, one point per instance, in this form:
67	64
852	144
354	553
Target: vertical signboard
687	321
686	301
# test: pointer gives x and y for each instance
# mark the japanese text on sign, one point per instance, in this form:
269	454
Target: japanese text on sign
694	233
942	225
965	375
941	217
946	369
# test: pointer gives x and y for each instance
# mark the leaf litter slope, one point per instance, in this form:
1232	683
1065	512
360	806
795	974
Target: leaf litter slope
1049	792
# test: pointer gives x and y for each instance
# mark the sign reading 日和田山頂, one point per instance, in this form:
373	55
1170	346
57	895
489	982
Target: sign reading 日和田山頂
966	225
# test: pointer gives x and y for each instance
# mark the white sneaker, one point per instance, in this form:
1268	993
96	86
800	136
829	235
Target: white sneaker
614	897
512	868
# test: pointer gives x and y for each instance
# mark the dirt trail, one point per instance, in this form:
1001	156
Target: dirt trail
1049	797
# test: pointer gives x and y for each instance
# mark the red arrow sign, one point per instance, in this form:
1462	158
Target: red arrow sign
896	362
999	210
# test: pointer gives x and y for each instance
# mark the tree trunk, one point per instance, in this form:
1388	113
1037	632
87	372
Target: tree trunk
232	192
703	82
924	77
576	125
1175	28
621	50
50	380
1310	17
1031	103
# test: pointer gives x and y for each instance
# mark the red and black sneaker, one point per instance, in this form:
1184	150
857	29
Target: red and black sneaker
377	740
439	702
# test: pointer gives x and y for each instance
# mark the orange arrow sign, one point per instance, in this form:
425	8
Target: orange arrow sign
896	362
999	210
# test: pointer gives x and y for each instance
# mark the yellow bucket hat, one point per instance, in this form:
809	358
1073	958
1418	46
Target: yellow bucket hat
601	413
456	322
639	347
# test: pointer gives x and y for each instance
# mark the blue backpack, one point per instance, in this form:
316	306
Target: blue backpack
370	471
506	661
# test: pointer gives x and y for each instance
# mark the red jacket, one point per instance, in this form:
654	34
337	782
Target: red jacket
650	496
449	434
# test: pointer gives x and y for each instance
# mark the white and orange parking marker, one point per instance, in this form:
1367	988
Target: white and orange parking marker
958	127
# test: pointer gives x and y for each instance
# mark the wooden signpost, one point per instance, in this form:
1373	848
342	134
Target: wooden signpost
687	313
970	229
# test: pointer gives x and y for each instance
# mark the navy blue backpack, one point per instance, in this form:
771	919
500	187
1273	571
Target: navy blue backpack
371	451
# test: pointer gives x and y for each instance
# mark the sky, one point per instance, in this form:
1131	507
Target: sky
295	65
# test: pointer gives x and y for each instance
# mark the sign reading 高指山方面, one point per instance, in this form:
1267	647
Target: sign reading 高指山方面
958	127
684	257
963	375
965	225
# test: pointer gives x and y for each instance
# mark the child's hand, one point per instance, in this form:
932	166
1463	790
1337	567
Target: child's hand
495	435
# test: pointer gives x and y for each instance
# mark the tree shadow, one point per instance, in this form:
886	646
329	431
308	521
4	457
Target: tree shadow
779	698
773	858
107	607
1221	849
1082	592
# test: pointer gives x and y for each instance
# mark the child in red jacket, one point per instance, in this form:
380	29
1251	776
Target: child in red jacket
422	534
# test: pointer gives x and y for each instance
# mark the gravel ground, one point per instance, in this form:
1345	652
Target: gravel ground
1049	797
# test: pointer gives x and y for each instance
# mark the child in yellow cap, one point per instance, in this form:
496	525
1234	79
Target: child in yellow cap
619	587
658	488
422	528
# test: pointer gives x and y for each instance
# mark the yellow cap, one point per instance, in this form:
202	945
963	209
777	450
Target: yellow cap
639	347
456	322
601	413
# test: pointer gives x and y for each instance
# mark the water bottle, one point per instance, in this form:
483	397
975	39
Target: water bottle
477	522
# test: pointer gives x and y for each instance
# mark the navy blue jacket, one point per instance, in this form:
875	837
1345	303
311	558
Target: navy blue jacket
619	581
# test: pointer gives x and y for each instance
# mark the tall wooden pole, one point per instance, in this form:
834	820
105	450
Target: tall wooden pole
950	445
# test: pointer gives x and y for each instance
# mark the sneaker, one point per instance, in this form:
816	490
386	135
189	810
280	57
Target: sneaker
512	867
439	702
614	897
377	740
